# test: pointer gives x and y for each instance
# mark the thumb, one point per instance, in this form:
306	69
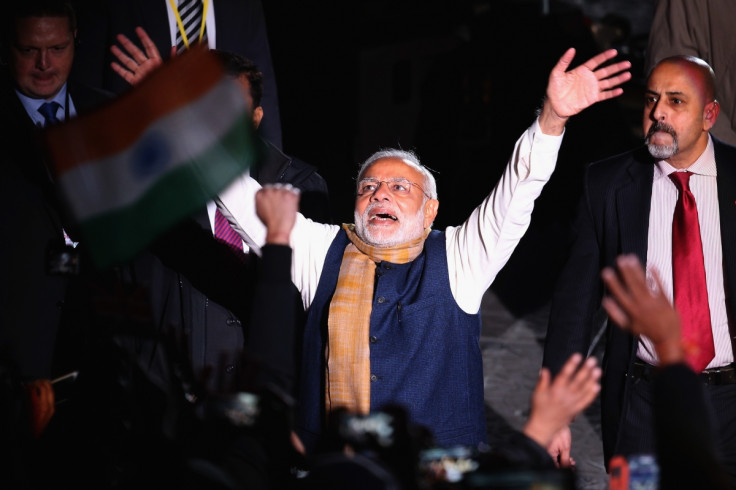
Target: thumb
565	60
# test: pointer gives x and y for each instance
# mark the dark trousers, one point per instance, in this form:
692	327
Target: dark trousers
637	435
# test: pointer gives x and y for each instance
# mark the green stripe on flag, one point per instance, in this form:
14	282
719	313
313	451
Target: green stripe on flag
120	235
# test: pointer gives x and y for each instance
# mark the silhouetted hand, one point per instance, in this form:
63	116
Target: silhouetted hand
556	402
559	448
641	309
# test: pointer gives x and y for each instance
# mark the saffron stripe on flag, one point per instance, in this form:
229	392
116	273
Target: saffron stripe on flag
184	78
141	164
122	178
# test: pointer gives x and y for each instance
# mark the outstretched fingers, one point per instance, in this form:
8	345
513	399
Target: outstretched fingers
610	85
608	71
625	287
133	64
148	45
122	72
132	55
616	313
633	275
593	63
568	369
616	288
580	381
564	62
620	300
610	76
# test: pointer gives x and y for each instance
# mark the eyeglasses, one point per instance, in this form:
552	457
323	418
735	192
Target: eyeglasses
398	186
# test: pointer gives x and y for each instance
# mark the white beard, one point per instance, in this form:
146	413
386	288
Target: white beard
662	152
410	229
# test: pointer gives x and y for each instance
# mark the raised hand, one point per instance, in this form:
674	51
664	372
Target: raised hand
559	448
643	310
276	206
135	64
556	402
571	91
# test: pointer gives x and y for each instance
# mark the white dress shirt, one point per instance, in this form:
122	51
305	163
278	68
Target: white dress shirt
476	250
32	105
659	250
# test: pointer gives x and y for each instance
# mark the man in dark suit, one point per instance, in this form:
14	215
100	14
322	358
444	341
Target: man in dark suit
213	320
683	425
238	26
627	207
41	266
38	44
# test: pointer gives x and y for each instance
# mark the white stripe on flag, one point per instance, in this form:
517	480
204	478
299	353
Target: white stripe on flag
165	145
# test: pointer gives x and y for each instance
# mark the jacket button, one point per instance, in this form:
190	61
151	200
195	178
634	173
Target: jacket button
372	339
374	377
381	300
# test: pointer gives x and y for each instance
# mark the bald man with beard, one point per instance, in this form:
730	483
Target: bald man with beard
629	206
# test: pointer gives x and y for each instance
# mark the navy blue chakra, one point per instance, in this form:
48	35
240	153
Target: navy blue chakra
151	155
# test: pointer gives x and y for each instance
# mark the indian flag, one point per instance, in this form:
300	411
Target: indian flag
153	156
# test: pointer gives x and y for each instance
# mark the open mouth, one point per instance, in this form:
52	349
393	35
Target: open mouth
384	217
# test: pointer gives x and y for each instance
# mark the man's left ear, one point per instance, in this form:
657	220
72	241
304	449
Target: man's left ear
710	113
257	116
430	212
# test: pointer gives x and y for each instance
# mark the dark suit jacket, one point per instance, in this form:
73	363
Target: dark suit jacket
613	219
31	301
275	166
240	28
201	290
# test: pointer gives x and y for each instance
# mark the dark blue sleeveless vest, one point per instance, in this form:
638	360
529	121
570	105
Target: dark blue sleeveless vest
424	350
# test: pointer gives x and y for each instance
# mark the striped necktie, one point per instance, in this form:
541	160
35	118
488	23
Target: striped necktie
190	12
225	233
48	110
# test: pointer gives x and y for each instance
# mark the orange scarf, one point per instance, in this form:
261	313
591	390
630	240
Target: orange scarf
348	353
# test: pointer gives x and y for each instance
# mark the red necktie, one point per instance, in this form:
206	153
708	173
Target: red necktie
688	277
225	233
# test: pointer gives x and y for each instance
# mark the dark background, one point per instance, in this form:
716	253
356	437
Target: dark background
457	82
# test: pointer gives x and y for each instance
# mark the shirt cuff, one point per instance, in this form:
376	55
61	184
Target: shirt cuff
545	142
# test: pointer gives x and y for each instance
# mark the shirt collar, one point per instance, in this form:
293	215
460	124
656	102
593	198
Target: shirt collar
704	165
31	105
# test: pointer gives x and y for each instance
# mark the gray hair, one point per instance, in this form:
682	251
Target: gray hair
409	158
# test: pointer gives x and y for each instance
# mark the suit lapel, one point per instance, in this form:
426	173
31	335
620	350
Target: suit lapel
633	203
725	161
